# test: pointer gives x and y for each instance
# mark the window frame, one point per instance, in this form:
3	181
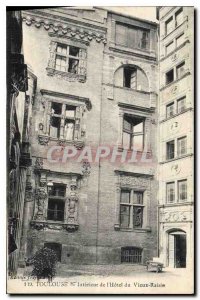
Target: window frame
132	206
184	106
179	153
166	23
58	198
177	13
168	153
178	188
168	193
138	255
131	131
171	104
67	57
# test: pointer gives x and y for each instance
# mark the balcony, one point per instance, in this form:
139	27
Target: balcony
134	97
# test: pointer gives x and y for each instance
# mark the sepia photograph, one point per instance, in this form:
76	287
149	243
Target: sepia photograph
100	150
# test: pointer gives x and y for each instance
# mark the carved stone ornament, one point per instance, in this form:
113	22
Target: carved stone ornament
174	57
175	216
41	197
65	30
43	140
66	75
175	169
39	163
134	181
174	89
86	168
76	143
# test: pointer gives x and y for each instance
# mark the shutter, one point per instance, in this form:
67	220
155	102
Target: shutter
77	124
52	55
82	62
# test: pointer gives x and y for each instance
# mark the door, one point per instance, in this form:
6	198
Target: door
180	251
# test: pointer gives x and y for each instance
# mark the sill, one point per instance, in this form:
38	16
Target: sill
118	228
66	75
44	140
175	204
53	225
175	115
176	158
175	81
132	90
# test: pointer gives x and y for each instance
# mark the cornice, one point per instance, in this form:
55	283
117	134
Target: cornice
65	26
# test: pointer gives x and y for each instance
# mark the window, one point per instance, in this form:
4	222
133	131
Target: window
170	192
180	40
181	104
132	37
180	70
179	17
131	209
170	76
169	26
131	255
67	58
170	150
56	202
170	110
130	77
133	133
62	117
169	48
182	190
182	146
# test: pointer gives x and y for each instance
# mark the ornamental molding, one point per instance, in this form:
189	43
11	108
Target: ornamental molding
66	75
76	143
175	216
64	29
43	140
44	225
134	181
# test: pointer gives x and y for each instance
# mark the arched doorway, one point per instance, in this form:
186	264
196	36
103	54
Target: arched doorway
177	249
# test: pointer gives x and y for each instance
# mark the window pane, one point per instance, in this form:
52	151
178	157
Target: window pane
126	140
169	48
73	66
182	144
138	198
180	40
132	37
169	25
170	192
170	76
181	105
121	35
57	190
60	63
55	127
143	39
182	190
69	129
130	77
170	150
137	216
138	128
74	51
55	210
70	111
56	108
127	124
62	50
124	216
170	110
125	196
180	70
179	17
137	143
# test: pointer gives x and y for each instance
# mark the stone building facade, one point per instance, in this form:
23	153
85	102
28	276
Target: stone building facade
96	86
175	130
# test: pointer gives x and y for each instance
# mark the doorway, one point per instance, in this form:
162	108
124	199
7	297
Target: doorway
177	249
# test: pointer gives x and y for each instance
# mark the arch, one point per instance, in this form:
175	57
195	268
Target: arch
131	76
171	230
176	247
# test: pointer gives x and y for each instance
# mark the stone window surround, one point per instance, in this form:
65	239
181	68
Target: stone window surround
51	68
175	102
176	147
176	201
50	96
143	184
40	220
134	112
